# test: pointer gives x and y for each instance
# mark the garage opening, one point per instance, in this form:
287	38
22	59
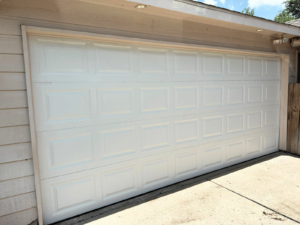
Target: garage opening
115	119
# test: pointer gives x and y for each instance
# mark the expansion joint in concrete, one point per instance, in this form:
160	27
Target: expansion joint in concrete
254	201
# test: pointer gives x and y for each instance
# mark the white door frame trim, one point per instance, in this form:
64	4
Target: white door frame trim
36	167
29	30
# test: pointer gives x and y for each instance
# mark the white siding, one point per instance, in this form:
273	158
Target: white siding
17	196
14	117
16	186
12	135
22	217
11	44
15	152
12	81
13	99
11	63
17	203
16	169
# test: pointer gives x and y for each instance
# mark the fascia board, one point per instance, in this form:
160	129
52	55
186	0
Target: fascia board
220	14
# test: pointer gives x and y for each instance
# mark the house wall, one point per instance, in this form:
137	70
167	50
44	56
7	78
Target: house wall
17	195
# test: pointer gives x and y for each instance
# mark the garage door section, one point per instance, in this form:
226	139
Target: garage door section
117	120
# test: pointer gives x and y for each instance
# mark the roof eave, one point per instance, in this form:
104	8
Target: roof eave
217	13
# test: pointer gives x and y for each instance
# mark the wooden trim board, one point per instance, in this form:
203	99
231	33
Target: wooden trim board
284	102
29	30
35	157
290	115
297	78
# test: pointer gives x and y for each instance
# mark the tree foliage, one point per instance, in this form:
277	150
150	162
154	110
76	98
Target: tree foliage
293	8
249	11
283	16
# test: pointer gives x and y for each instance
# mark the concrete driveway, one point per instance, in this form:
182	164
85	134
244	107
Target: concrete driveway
260	191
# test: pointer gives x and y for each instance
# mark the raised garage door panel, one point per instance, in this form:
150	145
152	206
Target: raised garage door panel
91	104
115	120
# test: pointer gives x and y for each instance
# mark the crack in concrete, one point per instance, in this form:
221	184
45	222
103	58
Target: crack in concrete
254	201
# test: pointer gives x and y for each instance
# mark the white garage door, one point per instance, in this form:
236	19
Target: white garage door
117	120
